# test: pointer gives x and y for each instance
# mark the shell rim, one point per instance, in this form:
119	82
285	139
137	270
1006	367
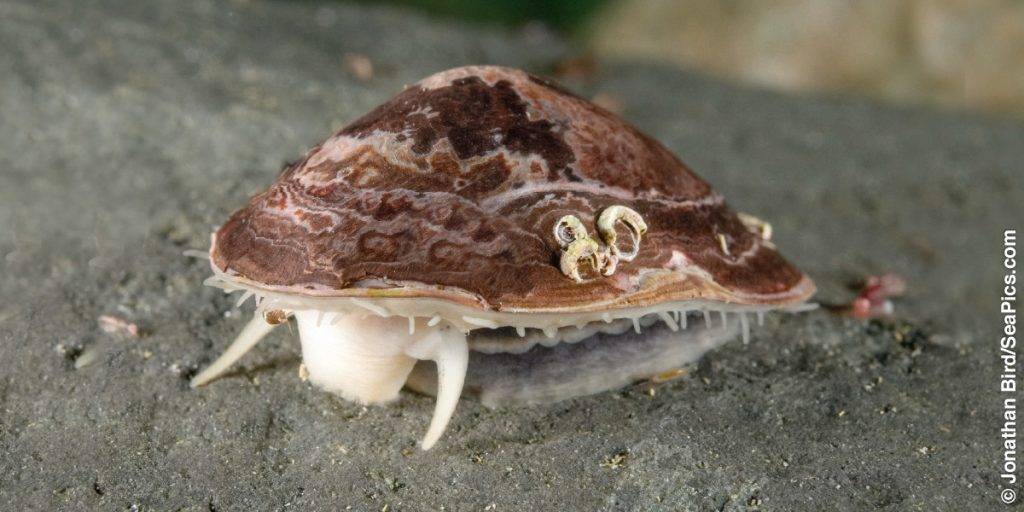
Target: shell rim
656	286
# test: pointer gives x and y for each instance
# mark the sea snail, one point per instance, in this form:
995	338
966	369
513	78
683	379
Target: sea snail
531	244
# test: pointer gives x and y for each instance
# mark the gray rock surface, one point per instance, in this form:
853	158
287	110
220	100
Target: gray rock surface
128	130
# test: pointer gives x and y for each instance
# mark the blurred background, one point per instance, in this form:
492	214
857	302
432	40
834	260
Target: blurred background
959	54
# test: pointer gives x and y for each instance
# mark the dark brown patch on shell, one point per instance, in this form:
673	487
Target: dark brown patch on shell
474	117
457	182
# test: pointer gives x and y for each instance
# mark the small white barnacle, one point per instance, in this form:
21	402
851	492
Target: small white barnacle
576	244
756	225
568	229
723	243
633	221
581	249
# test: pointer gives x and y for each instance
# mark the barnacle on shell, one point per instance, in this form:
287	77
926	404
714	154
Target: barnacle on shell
568	229
631	219
762	228
604	258
582	249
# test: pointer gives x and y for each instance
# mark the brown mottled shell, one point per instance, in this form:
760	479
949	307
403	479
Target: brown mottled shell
451	190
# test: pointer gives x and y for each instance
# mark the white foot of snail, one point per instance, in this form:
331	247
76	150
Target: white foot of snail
367	358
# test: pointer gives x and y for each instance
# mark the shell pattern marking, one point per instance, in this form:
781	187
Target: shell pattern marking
459	180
